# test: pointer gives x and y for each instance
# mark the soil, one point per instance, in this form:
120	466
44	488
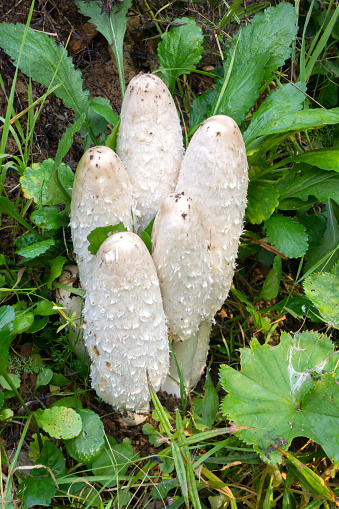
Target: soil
91	54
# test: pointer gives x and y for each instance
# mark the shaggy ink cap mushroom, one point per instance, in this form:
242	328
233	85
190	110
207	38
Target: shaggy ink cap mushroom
125	330
214	174
149	143
181	257
101	197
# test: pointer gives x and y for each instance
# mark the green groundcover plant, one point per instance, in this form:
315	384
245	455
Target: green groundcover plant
282	392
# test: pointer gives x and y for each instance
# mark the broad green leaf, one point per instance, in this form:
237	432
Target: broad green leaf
270	32
15	379
329	242
180	50
51	456
41	58
45	308
206	409
287	99
283	393
56	268
112	26
38	324
37	183
241	91
44	377
271	285
38	489
100	234
27	240
67	140
3	413
22	322
262	200
7	316
305	119
315	225
323	292
324	158
34	451
113	462
87	446
288	236
35	250
305	181
69	402
46	218
59	422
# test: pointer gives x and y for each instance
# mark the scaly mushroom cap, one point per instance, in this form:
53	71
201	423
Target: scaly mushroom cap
101	197
125	329
150	144
181	257
70	302
214	173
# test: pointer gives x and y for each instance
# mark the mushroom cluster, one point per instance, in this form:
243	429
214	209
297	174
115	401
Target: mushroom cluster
135	301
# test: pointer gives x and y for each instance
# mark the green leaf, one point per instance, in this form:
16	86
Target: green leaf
15	379
103	108
287	99
202	108
323	292
304	181
241	91
113	462
315	225
270	32
206	409
262	200
3	413
52	457
180	50
329	242
306	119
56	268
112	26
67	140
59	422
45	62
324	158
282	392
37	491
35	250
7	316
99	235
271	285
288	236
22	322
45	184
46	218
87	446
38	324
45	308
60	380
44	377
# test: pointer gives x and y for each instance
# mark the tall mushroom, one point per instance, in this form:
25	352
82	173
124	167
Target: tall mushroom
149	144
213	175
125	330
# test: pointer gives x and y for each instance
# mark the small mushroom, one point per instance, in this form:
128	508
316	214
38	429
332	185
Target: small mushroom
125	328
149	144
70	303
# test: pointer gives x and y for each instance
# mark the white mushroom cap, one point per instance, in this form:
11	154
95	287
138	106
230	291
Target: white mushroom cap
181	257
214	174
149	143
70	302
125	329
101	197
